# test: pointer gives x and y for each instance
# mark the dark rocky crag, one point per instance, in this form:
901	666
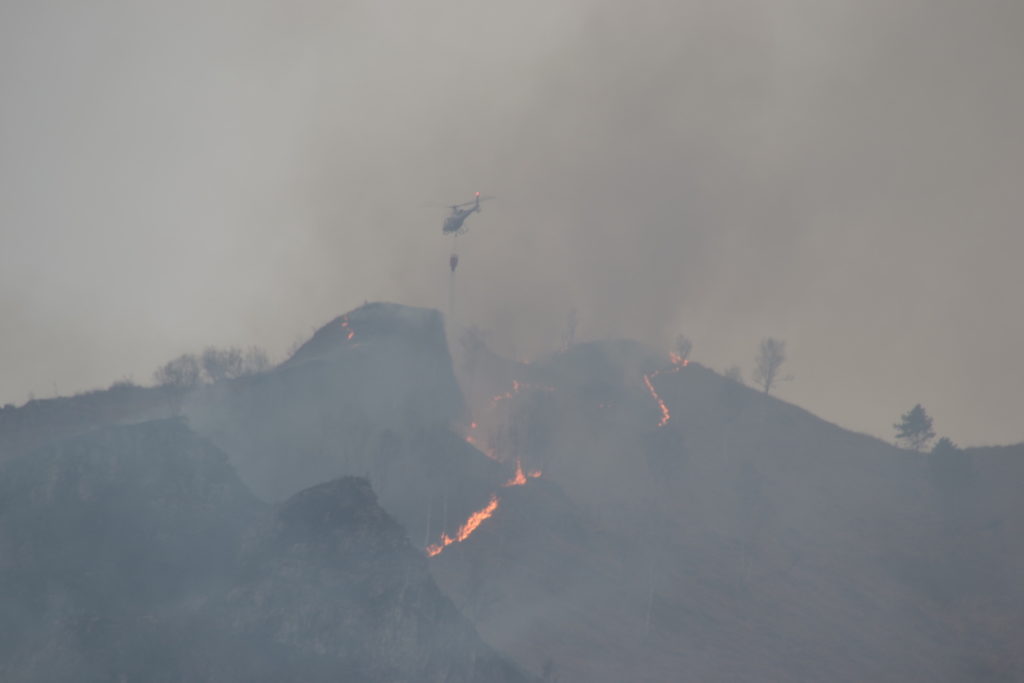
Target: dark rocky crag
371	394
335	580
135	553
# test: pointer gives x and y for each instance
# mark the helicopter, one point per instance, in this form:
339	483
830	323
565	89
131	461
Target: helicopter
453	224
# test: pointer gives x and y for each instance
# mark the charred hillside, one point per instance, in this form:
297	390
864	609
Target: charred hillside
385	619
371	394
603	514
687	527
136	553
42	421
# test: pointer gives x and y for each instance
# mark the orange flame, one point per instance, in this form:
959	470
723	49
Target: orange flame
517	386
665	415
678	363
344	326
520	477
508	394
467	529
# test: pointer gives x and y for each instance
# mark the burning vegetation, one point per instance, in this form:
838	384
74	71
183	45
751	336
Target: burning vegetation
467	529
677	364
520	477
665	414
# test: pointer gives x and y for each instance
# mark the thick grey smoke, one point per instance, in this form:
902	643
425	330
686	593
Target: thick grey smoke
841	175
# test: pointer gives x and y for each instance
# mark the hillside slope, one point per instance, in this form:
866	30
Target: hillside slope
604	514
371	394
135	553
742	539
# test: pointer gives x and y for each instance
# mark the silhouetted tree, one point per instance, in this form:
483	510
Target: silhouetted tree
914	430
683	346
232	362
255	361
219	364
770	358
189	370
184	372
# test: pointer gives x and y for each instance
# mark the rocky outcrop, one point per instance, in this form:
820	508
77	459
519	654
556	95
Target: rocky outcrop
136	553
333	580
321	414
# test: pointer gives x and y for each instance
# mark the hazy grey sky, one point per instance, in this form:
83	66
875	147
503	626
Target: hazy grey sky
843	175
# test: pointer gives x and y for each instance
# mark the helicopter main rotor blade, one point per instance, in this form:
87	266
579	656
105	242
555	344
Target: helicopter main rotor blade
474	202
441	205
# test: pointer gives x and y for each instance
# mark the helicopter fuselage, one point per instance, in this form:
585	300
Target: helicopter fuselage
453	223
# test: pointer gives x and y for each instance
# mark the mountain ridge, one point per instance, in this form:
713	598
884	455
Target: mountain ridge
135	552
680	526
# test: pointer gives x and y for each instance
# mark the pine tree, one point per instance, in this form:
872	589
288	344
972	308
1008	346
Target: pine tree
771	357
914	430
